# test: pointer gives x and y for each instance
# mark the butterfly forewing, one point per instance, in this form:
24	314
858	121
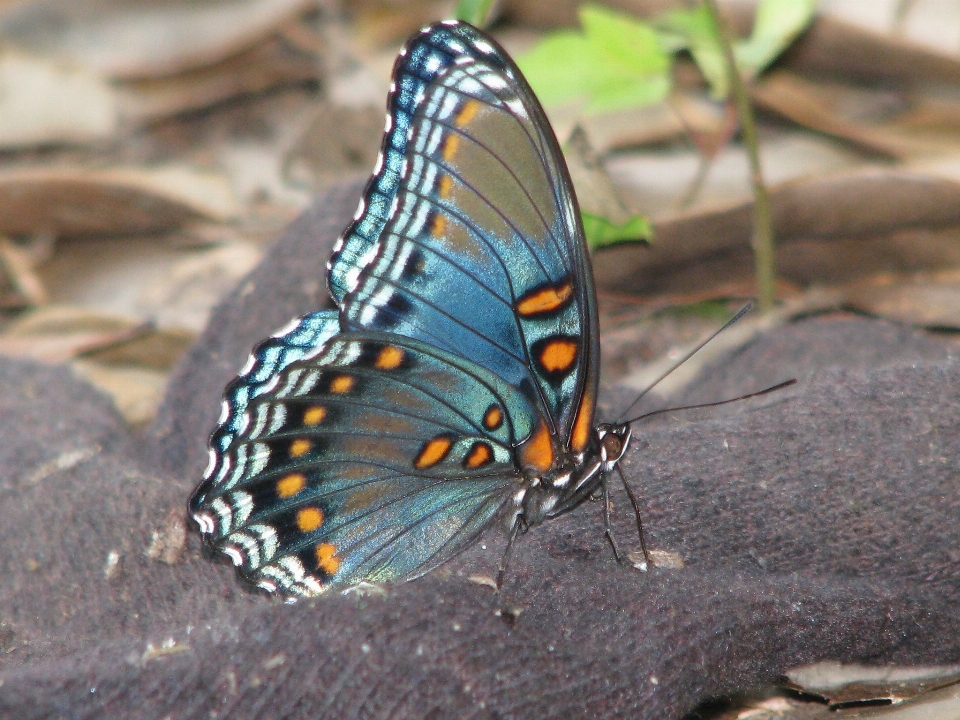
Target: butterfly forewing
485	215
424	57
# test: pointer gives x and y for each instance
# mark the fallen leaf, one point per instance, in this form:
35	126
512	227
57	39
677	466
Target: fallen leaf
268	65
797	99
49	103
140	40
79	201
137	392
845	685
927	300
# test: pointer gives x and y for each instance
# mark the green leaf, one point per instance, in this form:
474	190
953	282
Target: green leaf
475	12
616	62
777	25
600	232
694	31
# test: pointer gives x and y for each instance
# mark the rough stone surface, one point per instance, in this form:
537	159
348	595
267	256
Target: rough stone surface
820	523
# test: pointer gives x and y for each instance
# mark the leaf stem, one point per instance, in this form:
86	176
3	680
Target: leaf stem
763	255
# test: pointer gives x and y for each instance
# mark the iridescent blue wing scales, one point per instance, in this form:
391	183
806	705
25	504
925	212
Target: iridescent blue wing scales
423	58
374	442
374	458
483	252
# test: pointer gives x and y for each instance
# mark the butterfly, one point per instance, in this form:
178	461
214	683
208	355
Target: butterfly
456	382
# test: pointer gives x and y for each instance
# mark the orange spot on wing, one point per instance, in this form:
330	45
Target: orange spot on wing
291	484
544	300
439	225
583	425
558	355
480	454
314	415
341	384
445	186
309	519
468	113
433	452
450	146
300	447
389	358
537	452
327	559
493	418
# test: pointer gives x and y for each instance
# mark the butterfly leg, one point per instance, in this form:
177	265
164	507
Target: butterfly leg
636	513
519	524
607	527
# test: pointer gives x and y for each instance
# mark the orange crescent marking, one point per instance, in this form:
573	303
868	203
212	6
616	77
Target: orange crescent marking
446	186
479	455
439	225
558	355
537	452
309	519
583	425
433	452
468	113
314	415
450	146
493	418
291	484
390	358
341	384
545	300
300	447
327	559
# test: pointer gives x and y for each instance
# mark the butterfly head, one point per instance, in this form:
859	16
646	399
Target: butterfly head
613	441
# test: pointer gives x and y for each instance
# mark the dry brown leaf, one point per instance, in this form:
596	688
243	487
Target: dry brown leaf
846	684
837	48
596	192
137	392
866	202
49	103
931	300
797	99
337	142
78	201
140	40
267	65
17	274
57	333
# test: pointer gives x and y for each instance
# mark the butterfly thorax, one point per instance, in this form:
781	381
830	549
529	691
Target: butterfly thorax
575	476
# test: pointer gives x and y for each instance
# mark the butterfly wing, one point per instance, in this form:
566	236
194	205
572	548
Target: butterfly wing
372	458
481	252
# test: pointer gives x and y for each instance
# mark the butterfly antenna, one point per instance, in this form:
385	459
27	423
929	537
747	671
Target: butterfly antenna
740	313
758	393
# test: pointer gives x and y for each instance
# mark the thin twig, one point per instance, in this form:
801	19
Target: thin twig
762	241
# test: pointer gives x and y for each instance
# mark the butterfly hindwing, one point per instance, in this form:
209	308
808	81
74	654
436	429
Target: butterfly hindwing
374	443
